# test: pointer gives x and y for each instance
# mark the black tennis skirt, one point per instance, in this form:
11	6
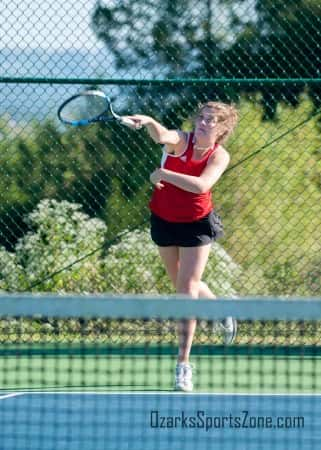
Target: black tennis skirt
186	234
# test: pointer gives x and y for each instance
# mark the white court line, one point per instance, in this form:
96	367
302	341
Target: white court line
12	394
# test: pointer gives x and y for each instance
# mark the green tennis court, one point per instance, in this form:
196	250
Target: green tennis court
97	373
217	373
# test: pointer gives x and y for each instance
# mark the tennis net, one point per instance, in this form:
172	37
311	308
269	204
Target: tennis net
97	372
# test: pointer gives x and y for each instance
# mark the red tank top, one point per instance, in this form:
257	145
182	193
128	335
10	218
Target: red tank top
174	204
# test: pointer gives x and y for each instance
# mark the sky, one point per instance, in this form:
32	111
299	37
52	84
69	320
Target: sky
63	24
53	24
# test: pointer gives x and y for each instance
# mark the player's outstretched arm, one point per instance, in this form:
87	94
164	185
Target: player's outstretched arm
173	140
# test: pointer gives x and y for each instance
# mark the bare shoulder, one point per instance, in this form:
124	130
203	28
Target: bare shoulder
221	155
180	143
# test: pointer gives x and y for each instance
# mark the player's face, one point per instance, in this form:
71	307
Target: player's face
205	123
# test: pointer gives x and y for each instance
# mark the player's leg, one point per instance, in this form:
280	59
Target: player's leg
169	255
227	328
192	262
170	258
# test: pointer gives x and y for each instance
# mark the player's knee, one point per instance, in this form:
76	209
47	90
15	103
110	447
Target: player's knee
188	287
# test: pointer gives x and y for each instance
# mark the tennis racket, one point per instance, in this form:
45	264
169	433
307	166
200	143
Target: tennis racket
88	107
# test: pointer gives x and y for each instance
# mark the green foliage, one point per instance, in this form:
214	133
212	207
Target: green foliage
62	235
39	162
282	276
270	204
105	168
12	277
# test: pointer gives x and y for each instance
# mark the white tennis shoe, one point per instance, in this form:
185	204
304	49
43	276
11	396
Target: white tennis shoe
183	377
227	329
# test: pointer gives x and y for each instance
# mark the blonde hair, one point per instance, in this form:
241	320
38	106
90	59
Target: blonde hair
226	115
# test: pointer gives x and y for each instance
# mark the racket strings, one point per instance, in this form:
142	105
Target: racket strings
84	107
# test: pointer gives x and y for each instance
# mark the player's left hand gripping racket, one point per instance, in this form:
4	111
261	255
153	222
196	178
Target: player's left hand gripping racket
88	107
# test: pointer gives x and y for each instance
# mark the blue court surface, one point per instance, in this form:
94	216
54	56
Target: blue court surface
138	421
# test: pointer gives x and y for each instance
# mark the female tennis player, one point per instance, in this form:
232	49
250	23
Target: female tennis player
183	219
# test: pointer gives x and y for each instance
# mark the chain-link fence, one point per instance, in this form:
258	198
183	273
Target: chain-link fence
74	201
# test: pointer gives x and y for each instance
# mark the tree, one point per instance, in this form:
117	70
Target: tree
165	39
214	39
40	161
280	41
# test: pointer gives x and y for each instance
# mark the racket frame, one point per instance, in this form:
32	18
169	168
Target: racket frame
103	117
